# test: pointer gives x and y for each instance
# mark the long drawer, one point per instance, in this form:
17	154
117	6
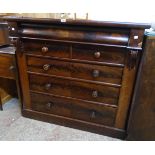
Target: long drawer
73	109
85	71
74	89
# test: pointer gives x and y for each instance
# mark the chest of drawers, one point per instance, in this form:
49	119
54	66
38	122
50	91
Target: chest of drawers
78	73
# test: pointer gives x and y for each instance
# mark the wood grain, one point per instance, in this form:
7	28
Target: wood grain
75	89
76	70
69	108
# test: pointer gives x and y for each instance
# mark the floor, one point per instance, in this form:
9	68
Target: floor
14	127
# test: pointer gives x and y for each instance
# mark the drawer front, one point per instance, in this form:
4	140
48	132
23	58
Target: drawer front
74	89
76	33
7	66
73	109
99	54
76	70
49	49
99	73
49	66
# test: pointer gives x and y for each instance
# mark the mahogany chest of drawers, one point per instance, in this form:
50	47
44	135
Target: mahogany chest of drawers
77	73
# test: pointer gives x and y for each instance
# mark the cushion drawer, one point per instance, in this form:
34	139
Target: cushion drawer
85	71
74	89
99	54
7	66
45	48
73	109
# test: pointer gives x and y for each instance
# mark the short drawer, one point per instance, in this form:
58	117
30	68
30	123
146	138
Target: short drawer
74	89
100	54
73	109
7	66
98	73
45	48
49	66
85	71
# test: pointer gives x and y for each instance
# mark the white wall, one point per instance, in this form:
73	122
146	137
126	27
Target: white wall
109	10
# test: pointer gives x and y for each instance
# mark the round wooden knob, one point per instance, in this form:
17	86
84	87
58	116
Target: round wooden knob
48	86
97	54
95	94
93	114
45	49
46	67
49	105
96	73
12	68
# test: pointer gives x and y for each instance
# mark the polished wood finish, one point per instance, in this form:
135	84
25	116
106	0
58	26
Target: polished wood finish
71	22
78	73
100	54
75	89
100	73
142	116
73	109
52	49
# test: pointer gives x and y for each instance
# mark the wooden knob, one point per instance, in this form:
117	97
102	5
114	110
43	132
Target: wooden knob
96	73
97	54
93	114
95	94
12	68
46	67
45	49
49	105
47	86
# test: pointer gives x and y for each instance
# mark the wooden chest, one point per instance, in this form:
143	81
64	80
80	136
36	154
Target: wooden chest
78	73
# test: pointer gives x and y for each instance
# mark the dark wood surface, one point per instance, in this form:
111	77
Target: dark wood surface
75	89
142	116
73	109
4	40
108	74
92	71
7	66
78	22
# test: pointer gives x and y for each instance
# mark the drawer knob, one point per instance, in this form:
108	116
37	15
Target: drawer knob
93	114
96	73
97	54
49	105
12	68
95	94
46	67
48	86
45	49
